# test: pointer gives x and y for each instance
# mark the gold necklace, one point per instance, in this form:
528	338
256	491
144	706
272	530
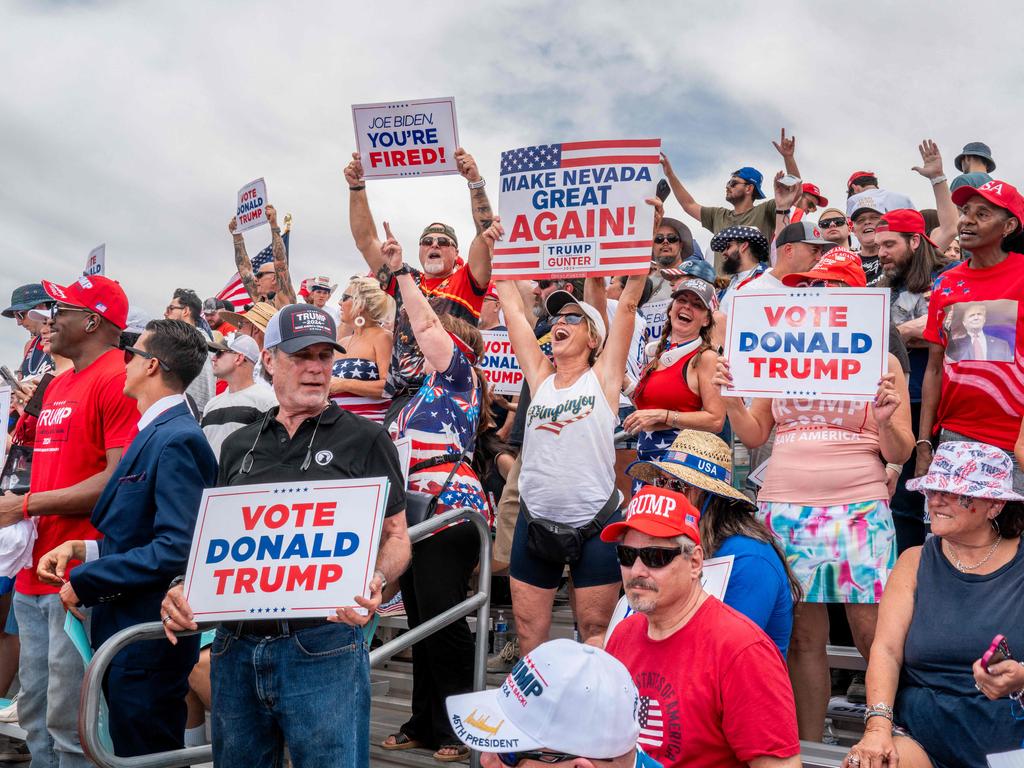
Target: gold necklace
962	567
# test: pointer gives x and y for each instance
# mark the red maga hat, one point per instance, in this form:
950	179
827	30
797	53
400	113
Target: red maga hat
997	192
812	189
96	293
838	264
658	512
906	221
856	175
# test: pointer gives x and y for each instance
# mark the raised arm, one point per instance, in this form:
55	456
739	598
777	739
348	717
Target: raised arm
242	262
431	337
479	258
611	362
364	230
787	148
284	292
691	206
931	169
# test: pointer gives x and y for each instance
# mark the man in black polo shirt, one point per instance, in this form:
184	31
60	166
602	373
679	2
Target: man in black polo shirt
304	682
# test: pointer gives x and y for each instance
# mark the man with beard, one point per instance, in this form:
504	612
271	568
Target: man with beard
673	244
454	286
910	264
718	680
976	399
744	256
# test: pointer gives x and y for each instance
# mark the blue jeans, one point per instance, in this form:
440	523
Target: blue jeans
51	671
309	690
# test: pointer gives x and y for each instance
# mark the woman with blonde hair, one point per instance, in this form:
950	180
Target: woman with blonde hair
357	382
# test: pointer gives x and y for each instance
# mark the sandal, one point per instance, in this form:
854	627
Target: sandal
461	753
400	741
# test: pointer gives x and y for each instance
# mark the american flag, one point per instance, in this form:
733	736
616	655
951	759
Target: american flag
616	254
652	723
234	291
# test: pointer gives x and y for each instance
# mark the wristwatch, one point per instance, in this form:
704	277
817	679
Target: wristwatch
175	582
383	578
402	270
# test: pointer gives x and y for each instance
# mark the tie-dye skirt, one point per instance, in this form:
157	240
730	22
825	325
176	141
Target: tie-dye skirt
840	554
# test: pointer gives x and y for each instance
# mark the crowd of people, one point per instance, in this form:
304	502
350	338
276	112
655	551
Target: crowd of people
623	464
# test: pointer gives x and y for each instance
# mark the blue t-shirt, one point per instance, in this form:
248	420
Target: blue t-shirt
643	760
758	587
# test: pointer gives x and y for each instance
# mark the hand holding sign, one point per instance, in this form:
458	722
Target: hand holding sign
887	399
271	213
354	172
252	200
467	165
176	613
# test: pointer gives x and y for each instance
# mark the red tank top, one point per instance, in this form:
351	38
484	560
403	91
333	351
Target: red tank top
667	388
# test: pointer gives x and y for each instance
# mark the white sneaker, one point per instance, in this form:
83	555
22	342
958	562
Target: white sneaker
9	714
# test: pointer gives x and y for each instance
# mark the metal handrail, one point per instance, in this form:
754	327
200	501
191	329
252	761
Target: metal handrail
92	685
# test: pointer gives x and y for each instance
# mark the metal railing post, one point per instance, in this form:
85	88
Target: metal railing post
92	685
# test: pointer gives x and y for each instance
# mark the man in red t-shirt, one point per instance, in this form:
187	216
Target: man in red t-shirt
455	287
973	386
713	687
85	424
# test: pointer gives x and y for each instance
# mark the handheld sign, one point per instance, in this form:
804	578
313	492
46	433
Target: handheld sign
407	138
284	550
577	209
714	579
96	263
500	365
252	205
808	342
656	315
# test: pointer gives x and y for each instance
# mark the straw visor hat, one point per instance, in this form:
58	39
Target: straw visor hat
699	458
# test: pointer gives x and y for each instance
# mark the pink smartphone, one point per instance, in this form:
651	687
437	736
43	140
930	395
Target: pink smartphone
997	652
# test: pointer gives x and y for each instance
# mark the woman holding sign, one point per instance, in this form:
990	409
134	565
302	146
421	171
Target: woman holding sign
567	481
825	498
444	420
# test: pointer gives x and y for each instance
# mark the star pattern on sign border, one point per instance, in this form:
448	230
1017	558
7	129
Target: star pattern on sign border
542	157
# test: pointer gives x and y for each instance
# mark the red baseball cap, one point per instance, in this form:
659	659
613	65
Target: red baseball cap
96	293
812	189
856	175
996	192
657	512
906	221
838	264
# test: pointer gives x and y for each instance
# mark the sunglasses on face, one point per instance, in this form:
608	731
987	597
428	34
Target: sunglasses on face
829	223
569	318
19	314
671	484
266	273
659	239
652	557
346	297
733	182
441	242
963	501
514	758
130	352
57	309
544	284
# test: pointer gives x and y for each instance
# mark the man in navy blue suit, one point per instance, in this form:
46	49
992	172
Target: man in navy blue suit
147	513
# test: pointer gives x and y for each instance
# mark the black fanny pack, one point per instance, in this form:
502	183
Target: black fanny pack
421	506
560	543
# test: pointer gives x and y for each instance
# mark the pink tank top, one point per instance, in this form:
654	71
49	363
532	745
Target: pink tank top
826	453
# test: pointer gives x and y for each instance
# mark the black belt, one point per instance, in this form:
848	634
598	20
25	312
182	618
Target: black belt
271	627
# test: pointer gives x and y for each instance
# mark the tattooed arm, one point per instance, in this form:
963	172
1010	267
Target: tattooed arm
479	254
242	262
284	292
360	219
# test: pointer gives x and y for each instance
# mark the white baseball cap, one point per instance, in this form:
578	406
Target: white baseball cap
240	343
563	696
558	299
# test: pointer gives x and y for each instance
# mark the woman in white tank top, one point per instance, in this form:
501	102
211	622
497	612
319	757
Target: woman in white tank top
568	457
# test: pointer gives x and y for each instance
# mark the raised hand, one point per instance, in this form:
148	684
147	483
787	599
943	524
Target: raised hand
931	160
233	225
785	197
391	249
659	211
354	171
493	233
271	212
466	165
666	166
785	147
887	399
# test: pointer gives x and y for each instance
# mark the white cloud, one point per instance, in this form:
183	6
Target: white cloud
134	123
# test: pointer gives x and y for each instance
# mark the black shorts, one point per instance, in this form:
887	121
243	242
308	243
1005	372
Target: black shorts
596	567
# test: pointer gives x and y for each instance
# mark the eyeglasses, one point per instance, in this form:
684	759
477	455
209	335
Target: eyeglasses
19	314
659	239
963	501
515	758
56	309
652	557
660	481
569	318
171	307
733	182
544	284
130	352
839	221
441	242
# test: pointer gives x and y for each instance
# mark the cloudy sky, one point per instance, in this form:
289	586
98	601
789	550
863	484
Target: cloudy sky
134	123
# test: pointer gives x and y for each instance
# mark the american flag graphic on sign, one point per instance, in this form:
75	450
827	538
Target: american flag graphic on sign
577	208
652	723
